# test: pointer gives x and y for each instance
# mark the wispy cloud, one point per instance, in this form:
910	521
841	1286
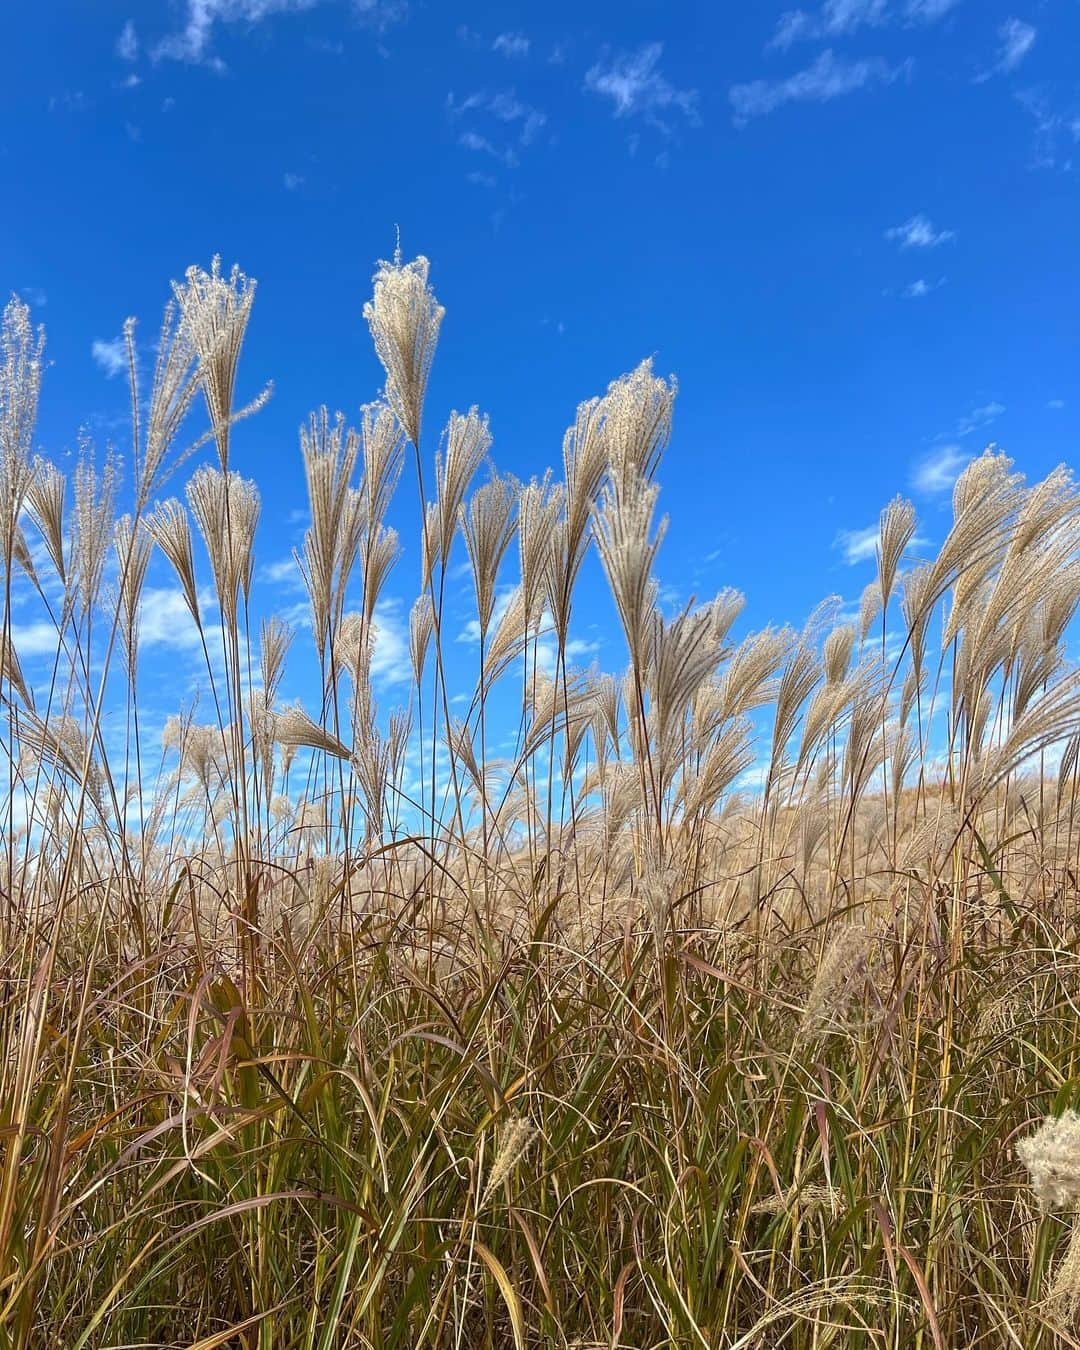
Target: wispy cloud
193	42
110	355
505	106
827	78
939	471
928	11
165	620
1016	38
861	545
292	181
1056	133
1056	404
127	44
979	417
390	661
511	44
857	545
472	140
839	18
919	232
921	288
636	86
38	638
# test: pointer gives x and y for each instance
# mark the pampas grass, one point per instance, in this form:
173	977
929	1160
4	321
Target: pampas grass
712	1000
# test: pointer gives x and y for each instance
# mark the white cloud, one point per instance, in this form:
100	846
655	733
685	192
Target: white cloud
827	78
127	44
35	639
1016	39
471	631
1055	133
511	44
979	417
940	470
505	106
861	545
390	661
110	355
284	572
192	43
472	140
165	620
478	179
1056	403
929	11
858	545
920	288
33	295
839	18
836	18
918	232
633	82
292	181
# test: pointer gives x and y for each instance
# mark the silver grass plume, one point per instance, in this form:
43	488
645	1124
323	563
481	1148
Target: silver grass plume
45	507
275	637
61	744
637	420
836	654
1052	1158
172	391
381	552
352	647
11	673
844	963
628	548
330	451
22	556
21	365
897	531
381	444
797	682
94	502
294	728
508	638
870	606
133	544
404	318
917	601
171	531
421	628
517	1134
539	508
584	465
748	679
487	524
466	440
226	510
682	654
214	312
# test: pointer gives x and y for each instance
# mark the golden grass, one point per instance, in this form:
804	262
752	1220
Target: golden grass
340	1030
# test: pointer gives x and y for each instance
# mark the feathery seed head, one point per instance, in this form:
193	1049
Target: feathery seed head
404	318
1052	1158
214	312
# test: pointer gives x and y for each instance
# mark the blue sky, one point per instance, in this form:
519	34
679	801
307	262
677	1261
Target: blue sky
849	229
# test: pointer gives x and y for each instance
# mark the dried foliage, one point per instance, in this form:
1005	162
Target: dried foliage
712	1001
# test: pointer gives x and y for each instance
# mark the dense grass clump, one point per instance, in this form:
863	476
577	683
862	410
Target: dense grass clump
736	1006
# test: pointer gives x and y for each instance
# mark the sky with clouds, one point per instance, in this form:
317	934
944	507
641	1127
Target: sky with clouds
849	228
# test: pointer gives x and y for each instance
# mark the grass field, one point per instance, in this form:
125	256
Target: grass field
724	1011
